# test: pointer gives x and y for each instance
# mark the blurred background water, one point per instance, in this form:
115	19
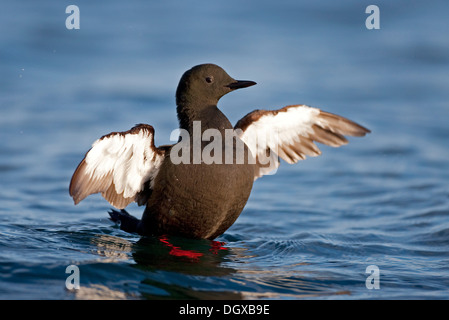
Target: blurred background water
311	230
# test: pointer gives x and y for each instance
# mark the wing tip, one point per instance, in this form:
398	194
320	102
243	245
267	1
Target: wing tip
74	187
342	125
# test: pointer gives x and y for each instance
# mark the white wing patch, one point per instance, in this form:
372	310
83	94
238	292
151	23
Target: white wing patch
118	165
290	133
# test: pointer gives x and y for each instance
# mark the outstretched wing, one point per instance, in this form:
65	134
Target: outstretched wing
120	165
290	133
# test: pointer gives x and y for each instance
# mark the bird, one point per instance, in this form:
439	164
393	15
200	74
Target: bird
198	186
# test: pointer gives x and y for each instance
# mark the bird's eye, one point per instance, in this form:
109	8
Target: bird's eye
209	79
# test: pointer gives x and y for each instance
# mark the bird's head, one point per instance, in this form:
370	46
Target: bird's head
205	84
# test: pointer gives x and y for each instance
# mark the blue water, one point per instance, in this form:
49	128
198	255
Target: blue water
311	230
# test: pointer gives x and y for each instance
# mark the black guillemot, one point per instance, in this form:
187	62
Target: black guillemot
198	187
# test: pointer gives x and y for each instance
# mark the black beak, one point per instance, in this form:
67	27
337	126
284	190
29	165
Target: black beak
238	84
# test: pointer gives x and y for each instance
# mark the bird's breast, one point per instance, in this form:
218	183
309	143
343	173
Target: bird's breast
204	198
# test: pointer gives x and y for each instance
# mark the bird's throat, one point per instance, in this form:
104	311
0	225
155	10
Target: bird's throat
208	116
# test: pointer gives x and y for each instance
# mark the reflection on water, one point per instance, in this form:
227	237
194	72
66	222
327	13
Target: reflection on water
165	275
150	253
157	259
100	292
112	247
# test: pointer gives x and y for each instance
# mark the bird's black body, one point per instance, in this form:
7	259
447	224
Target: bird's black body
199	200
